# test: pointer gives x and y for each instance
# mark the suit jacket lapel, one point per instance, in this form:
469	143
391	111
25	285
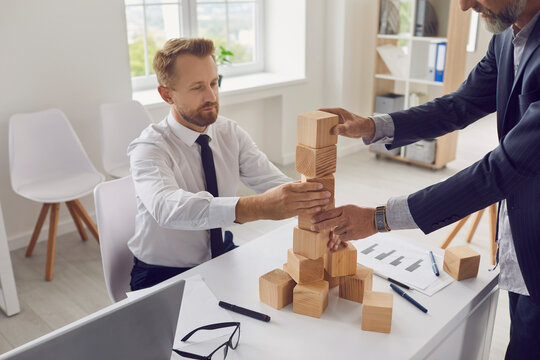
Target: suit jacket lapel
532	43
506	79
507	93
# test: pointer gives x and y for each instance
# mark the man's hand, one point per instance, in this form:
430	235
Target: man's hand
348	222
351	125
283	202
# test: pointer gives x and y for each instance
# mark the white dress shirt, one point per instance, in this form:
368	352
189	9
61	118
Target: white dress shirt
174	211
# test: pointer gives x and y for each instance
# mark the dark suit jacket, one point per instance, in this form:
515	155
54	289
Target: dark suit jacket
511	171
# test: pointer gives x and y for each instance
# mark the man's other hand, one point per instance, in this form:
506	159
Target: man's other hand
351	125
347	222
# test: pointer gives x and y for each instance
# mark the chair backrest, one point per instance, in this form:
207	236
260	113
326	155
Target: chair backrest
121	123
43	144
116	208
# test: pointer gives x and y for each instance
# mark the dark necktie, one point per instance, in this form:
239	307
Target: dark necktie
216	238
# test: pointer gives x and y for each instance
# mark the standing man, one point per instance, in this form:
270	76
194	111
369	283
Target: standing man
507	81
186	171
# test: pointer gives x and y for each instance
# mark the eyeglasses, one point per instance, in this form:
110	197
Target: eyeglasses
221	352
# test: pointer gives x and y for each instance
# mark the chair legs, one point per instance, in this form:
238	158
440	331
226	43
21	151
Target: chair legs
77	213
454	232
493	223
476	221
77	220
37	229
51	245
85	218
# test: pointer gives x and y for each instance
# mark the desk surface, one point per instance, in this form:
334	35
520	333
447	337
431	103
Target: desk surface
234	277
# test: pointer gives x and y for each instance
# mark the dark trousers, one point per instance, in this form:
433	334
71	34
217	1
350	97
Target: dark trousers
524	328
147	275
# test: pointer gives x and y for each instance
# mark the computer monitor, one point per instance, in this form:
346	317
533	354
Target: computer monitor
132	329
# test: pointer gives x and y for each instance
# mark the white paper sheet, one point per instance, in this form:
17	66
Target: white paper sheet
403	261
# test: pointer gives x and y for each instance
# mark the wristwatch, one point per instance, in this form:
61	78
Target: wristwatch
380	219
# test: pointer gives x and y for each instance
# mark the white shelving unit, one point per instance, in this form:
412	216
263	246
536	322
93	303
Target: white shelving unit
453	26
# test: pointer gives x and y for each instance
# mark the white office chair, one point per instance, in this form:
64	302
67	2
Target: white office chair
48	164
121	123
9	301
116	208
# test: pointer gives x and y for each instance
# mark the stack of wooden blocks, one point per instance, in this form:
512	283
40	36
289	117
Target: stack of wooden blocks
311	269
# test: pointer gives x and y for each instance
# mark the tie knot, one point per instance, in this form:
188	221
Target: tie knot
203	140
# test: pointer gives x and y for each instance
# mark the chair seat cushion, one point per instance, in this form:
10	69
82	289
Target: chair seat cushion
60	189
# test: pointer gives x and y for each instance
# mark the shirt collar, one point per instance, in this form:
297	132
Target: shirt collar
523	34
184	133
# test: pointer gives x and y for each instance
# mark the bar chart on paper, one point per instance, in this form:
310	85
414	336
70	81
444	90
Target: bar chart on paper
402	261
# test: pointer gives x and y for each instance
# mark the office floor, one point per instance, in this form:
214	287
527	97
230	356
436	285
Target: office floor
78	287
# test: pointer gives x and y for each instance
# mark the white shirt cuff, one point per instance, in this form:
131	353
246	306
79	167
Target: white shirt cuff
398	214
384	130
222	211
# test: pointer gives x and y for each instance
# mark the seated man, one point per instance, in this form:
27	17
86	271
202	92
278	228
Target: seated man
186	171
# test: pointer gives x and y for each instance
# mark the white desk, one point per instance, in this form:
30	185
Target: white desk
459	324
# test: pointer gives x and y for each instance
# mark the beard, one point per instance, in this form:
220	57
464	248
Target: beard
199	117
497	23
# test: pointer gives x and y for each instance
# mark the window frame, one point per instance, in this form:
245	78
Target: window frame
189	28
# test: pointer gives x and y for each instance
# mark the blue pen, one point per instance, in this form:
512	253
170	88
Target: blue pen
407	297
433	263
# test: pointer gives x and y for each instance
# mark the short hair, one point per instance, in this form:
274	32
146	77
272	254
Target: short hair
165	58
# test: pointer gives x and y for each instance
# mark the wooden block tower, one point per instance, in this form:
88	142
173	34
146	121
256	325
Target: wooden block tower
311	270
316	156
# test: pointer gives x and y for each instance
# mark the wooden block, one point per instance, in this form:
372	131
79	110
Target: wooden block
328	182
310	244
461	262
304	270
353	287
341	262
276	288
314	129
377	311
316	162
333	281
311	299
304	221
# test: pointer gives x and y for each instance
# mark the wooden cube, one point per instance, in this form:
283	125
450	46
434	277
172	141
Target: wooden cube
333	281
328	182
304	270
353	287
341	262
304	221
315	129
461	262
316	162
311	299
377	311
310	244
276	288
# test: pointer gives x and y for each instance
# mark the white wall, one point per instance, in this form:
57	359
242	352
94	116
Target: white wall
58	53
73	55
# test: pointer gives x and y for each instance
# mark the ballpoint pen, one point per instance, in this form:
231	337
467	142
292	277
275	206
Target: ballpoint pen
433	263
408	298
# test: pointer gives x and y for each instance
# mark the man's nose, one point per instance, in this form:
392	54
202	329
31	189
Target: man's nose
466	4
210	95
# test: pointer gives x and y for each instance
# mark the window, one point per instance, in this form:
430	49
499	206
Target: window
233	24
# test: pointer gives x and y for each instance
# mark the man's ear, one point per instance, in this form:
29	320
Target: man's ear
165	93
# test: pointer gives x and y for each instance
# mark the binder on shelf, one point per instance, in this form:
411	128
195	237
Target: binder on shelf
440	62
420	17
432	58
426	22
